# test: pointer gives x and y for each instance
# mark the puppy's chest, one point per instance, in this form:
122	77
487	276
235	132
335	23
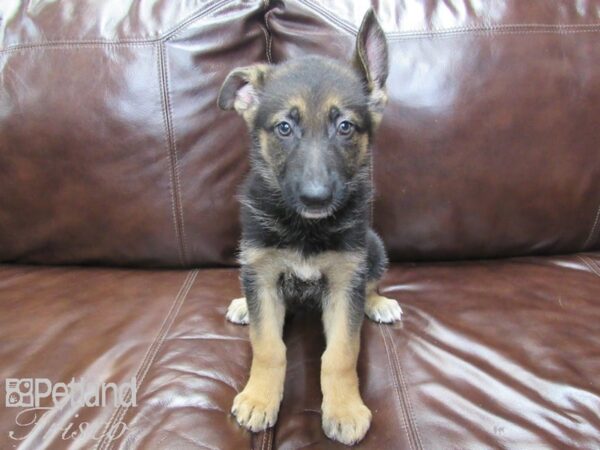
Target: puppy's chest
302	284
303	270
300	278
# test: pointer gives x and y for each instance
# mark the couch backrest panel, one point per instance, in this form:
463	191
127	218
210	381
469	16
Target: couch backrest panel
490	144
112	149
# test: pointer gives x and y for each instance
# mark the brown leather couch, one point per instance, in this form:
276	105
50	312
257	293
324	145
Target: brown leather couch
118	222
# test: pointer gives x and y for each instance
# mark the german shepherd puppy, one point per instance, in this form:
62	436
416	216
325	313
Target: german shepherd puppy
305	221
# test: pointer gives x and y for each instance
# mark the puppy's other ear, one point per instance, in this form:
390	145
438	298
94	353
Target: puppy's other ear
371	58
241	88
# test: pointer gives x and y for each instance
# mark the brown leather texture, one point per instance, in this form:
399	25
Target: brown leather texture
496	354
115	152
112	148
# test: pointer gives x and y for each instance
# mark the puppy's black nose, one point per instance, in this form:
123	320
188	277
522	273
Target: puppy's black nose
316	195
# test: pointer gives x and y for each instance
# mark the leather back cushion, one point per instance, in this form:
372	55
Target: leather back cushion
112	148
113	151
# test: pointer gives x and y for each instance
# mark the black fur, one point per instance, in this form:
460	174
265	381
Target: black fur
269	219
309	190
306	239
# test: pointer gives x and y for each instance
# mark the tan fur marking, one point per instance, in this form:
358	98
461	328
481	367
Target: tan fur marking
354	118
298	102
263	138
371	287
248	115
281	260
377	102
257	406
331	101
363	148
345	416
271	160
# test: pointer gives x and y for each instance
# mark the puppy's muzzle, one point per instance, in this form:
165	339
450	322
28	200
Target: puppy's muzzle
316	199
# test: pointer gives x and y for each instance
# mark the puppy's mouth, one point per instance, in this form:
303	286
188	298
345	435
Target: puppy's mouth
315	214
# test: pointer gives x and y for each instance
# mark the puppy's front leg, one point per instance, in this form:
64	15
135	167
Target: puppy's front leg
257	406
345	416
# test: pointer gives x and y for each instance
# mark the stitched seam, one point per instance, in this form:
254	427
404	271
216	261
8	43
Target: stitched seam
264	439
176	158
352	29
267	439
488	33
167	138
268	33
124	410
595	264
150	355
330	17
270	439
402	413
176	208
268	40
198	15
593	230
513	25
171	32
589	264
116	413
498	28
402	398
74	45
404	387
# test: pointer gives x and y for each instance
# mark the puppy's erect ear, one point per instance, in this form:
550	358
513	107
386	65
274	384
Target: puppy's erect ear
241	89
371	59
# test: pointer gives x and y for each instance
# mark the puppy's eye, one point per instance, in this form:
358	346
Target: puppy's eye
283	129
345	128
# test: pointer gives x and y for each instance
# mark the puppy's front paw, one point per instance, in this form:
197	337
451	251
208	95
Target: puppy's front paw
254	411
237	312
346	421
382	309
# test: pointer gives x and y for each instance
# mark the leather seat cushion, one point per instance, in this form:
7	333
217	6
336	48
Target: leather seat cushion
497	353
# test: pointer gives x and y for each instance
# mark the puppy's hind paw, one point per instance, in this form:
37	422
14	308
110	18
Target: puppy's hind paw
237	312
382	309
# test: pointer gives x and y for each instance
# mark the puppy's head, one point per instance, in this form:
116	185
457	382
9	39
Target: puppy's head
312	120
